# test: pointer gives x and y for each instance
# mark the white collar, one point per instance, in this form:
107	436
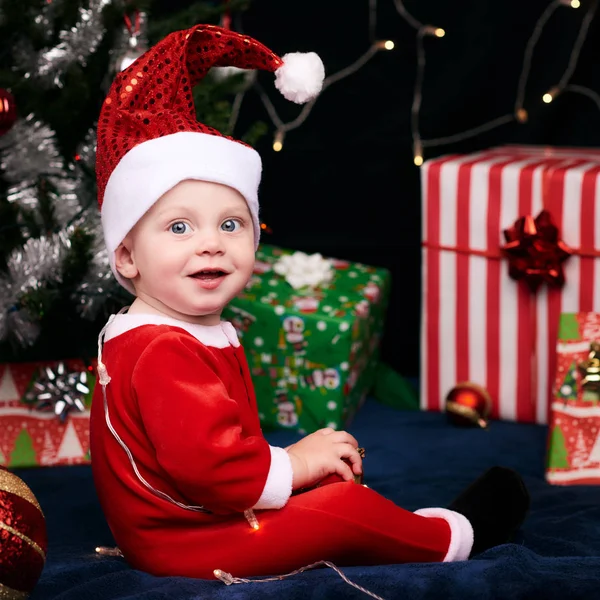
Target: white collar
217	336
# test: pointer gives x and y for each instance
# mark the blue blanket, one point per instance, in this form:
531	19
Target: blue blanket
415	459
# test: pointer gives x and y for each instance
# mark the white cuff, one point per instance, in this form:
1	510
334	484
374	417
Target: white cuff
461	532
278	487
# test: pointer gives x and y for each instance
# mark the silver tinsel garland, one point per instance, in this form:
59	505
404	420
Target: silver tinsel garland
30	147
39	261
29	152
76	44
38	264
31	267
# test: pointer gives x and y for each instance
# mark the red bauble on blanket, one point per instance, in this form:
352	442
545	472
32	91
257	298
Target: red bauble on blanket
468	404
23	542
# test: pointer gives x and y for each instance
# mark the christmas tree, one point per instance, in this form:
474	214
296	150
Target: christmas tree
70	446
568	388
60	57
557	457
580	454
48	450
8	389
23	454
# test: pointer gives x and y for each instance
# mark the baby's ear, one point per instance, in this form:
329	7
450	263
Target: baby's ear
124	260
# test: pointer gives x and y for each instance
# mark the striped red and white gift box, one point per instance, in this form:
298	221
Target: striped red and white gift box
478	324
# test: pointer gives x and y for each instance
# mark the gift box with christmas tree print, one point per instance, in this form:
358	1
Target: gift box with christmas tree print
312	349
574	434
44	413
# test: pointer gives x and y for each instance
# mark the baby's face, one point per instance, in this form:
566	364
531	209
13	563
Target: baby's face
193	251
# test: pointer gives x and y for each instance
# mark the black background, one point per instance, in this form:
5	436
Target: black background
345	184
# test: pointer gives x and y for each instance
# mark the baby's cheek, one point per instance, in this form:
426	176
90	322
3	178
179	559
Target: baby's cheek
161	277
248	267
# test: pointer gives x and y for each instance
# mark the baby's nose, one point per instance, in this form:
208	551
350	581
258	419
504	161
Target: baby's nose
209	242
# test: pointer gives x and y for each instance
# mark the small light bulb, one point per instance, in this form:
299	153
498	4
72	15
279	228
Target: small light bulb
575	4
551	94
251	518
431	30
278	141
418	152
225	577
108	551
522	115
385	45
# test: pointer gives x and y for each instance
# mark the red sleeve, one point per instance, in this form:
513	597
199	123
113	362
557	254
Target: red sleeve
195	429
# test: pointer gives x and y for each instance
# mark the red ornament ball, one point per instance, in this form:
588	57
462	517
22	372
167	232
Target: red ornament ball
23	541
468	405
8	111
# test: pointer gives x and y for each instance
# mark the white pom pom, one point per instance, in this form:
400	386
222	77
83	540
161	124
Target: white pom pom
301	76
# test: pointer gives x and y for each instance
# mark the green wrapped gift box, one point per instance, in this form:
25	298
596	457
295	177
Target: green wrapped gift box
312	351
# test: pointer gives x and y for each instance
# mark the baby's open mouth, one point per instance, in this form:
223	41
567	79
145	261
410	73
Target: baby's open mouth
208	274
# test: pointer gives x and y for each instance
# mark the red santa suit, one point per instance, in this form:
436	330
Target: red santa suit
178	456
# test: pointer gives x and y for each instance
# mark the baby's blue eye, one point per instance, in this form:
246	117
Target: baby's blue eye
231	225
179	227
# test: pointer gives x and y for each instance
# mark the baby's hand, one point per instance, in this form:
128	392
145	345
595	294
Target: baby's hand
320	454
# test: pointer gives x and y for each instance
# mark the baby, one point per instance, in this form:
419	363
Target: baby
186	479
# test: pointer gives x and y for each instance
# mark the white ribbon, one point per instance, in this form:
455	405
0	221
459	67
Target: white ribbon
301	269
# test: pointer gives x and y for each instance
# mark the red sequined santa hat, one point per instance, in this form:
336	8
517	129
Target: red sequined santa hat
149	138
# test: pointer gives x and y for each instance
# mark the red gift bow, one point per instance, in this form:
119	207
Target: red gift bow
535	251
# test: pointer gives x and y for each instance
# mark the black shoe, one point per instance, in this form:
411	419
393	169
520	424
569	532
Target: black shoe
496	505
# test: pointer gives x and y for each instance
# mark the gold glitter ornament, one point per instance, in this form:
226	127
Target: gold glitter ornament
7	593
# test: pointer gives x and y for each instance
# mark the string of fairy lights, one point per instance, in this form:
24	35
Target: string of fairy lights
281	127
423	30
